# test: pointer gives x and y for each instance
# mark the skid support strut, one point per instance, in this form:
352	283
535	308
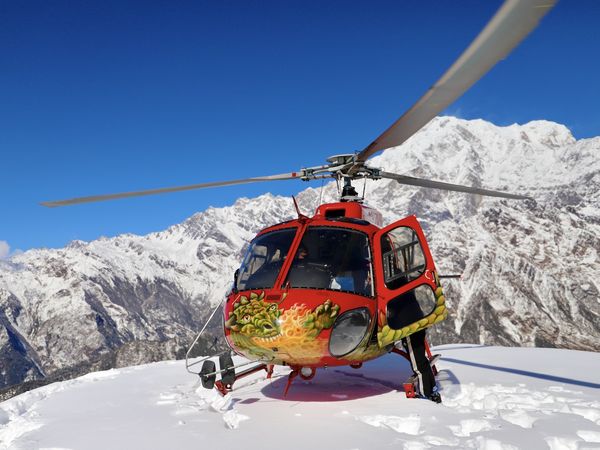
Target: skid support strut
409	385
293	374
226	388
306	373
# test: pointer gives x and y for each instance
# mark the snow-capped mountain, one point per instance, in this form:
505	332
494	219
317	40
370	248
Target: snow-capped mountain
530	268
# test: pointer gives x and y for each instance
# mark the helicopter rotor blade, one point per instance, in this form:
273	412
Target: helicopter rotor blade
99	198
421	182
510	25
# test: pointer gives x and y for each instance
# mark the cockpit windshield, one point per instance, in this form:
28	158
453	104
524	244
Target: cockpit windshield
333	258
264	259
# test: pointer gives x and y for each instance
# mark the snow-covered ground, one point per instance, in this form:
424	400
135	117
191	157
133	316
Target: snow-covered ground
494	398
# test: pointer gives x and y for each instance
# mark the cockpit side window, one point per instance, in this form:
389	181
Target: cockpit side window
264	260
333	258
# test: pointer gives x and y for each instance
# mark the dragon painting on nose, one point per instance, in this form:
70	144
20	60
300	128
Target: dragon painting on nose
254	317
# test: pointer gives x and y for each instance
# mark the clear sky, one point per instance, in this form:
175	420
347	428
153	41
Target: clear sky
109	96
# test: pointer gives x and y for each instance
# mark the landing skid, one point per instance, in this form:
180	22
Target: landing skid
208	374
225	388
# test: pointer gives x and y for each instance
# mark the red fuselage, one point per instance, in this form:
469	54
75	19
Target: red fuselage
314	291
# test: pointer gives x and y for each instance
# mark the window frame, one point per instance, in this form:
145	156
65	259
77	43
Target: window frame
401	259
370	272
294	233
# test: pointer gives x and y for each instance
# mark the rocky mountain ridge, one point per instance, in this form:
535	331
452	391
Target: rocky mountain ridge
530	268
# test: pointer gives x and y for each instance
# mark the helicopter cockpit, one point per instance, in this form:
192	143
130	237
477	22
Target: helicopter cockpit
331	258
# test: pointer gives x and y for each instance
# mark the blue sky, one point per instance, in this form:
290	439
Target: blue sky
110	96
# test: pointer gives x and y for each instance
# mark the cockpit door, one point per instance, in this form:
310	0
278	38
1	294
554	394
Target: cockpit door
409	296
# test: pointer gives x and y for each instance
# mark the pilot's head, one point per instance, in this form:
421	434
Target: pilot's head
302	253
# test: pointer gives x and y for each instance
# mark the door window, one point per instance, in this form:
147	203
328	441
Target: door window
402	257
410	307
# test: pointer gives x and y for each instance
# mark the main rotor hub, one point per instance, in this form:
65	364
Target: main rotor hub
341	166
346	167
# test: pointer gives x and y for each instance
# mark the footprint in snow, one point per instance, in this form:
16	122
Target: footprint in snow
589	436
408	424
520	418
469	426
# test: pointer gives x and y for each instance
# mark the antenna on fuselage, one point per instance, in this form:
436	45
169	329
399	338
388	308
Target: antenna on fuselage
301	216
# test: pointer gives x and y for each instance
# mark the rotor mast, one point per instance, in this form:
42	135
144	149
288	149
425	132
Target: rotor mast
349	194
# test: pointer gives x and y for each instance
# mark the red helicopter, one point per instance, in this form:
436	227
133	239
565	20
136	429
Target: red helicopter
339	288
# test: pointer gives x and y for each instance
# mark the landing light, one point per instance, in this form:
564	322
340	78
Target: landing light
348	331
